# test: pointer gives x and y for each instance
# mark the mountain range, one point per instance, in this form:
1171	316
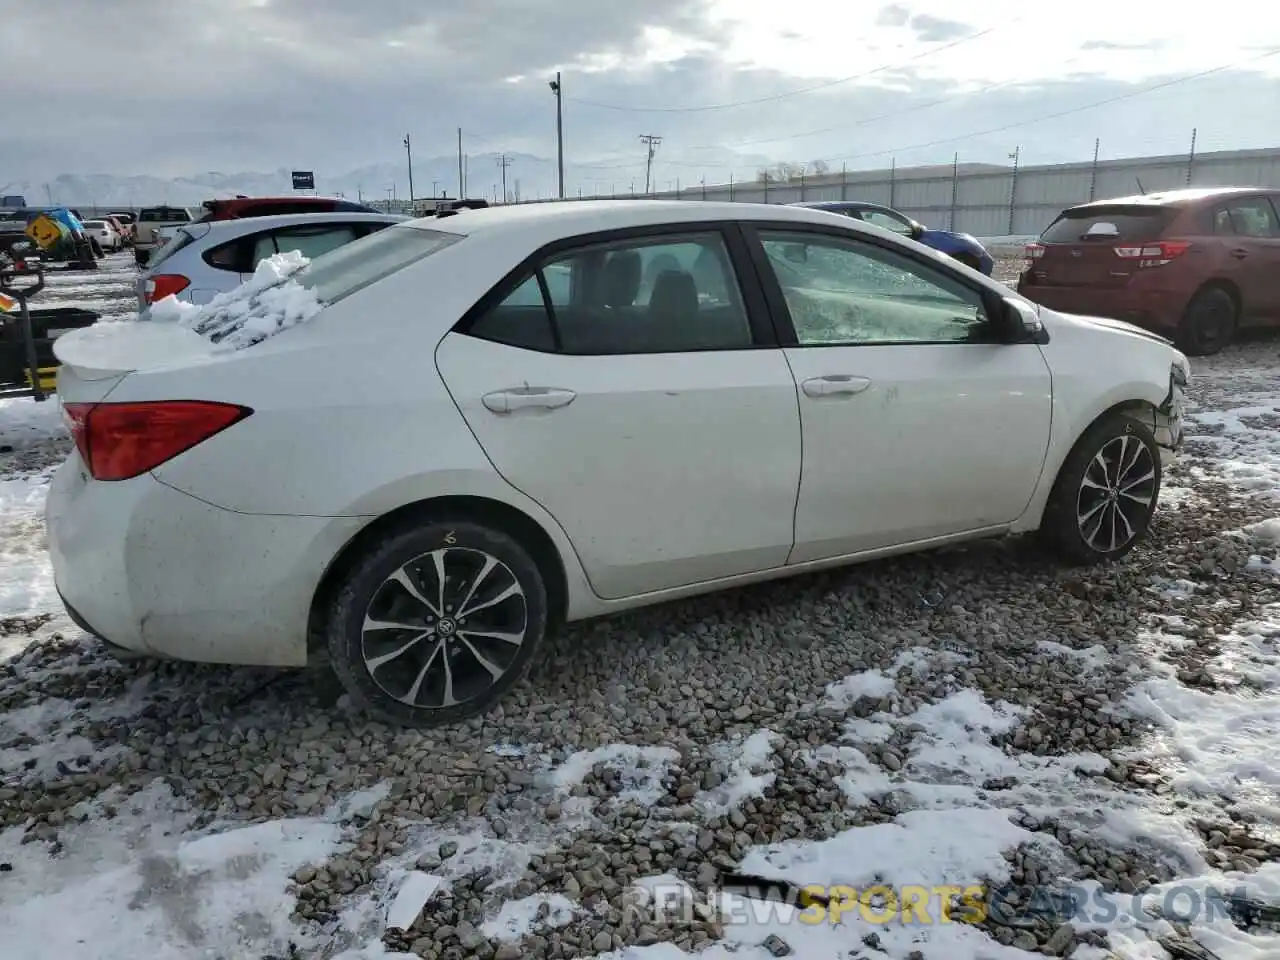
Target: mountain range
527	176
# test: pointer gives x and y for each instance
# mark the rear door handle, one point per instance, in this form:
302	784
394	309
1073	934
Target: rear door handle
833	385
524	398
1239	253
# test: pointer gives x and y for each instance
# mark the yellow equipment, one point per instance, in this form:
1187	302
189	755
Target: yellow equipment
45	231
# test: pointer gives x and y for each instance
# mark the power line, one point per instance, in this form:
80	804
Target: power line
1117	98
862	121
1176	81
825	85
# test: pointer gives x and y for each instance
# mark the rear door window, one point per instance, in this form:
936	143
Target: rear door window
1132	224
231	256
1252	217
314	242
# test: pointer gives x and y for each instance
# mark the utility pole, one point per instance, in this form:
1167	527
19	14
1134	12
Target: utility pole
1191	157
651	141
504	161
360	192
1013	185
462	186
558	90
408	149
1093	171
955	185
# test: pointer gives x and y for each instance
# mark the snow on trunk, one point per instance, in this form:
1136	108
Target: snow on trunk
270	301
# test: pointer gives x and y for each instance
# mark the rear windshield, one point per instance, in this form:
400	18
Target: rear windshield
1137	224
164	215
352	267
94	224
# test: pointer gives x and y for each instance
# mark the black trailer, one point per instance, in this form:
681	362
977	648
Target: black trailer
28	367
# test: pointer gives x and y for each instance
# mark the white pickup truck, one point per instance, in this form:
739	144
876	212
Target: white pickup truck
150	219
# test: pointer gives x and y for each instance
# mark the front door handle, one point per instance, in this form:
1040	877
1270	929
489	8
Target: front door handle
524	398
1239	253
834	385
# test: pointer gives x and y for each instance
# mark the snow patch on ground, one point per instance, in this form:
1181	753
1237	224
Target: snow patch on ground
1220	743
143	884
750	773
519	918
26	579
1245	443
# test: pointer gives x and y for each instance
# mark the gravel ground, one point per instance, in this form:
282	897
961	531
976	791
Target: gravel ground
684	686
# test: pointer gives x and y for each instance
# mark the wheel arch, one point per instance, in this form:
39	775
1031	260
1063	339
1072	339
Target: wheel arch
1138	408
510	520
1228	286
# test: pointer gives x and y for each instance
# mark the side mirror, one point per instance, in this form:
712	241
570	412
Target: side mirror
797	253
917	230
1022	321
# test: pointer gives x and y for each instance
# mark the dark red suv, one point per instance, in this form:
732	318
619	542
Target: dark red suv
240	207
1194	264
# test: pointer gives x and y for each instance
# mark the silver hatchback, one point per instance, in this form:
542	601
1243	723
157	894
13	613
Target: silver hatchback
202	260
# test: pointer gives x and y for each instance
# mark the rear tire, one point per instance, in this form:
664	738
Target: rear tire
1105	494
473	605
1208	323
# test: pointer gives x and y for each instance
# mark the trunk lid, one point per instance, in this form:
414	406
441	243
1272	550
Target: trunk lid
1079	248
95	359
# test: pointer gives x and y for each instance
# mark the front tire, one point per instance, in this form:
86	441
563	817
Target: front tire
1105	494
436	622
1208	323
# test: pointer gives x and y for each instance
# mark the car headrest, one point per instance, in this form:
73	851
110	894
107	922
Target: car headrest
622	278
674	297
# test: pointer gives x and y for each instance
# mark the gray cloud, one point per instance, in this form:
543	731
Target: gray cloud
894	15
212	85
936	29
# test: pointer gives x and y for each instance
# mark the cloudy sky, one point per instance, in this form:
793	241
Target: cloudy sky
177	87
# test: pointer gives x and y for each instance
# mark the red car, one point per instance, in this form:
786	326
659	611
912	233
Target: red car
1194	265
239	207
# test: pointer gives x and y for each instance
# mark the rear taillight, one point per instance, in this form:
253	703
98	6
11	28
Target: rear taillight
1033	251
1154	254
75	415
165	284
122	440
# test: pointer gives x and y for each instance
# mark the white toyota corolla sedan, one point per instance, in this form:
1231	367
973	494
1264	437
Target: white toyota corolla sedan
506	419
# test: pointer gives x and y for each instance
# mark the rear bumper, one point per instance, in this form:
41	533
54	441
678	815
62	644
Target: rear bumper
1156	309
155	571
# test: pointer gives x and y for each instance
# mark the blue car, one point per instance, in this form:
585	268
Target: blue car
963	247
